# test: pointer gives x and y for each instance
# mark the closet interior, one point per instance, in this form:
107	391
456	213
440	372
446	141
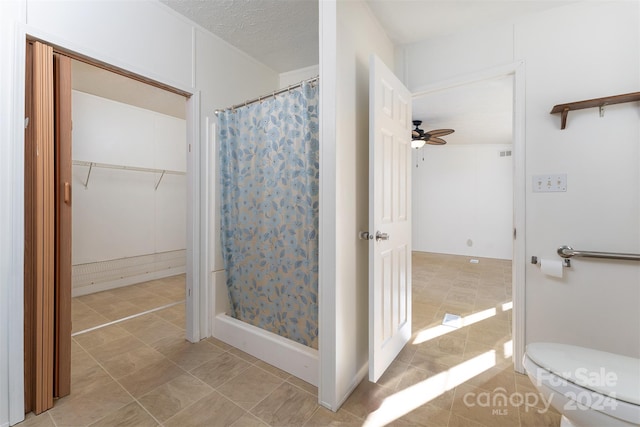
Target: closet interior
129	198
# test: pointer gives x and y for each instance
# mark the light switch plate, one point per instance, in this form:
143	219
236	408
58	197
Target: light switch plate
550	183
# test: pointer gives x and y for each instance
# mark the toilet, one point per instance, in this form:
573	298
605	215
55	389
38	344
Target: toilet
590	388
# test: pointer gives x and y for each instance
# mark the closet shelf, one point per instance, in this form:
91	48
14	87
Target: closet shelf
92	165
564	109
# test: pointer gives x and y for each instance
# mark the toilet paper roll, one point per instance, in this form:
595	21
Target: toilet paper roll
551	267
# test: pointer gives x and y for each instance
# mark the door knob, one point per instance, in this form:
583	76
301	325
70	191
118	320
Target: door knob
381	236
365	235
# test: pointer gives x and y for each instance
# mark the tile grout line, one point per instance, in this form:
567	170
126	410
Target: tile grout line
109	374
254	364
117	382
77	301
50	418
188	372
133	316
149	346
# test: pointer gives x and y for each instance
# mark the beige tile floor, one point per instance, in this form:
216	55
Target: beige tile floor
142	372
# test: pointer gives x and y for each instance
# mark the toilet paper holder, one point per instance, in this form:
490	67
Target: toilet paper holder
566	261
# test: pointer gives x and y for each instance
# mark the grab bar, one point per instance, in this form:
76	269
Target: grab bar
568	252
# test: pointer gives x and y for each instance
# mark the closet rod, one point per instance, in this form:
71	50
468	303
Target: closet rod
92	165
271	95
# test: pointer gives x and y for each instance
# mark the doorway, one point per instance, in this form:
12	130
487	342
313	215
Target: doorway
491	186
48	288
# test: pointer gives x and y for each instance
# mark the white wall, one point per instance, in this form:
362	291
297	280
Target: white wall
461	193
580	51
121	215
296	76
344	194
147	38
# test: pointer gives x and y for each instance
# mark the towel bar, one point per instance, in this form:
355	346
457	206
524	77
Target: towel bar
568	252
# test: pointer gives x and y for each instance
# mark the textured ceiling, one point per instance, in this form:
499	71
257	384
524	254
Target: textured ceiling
282	34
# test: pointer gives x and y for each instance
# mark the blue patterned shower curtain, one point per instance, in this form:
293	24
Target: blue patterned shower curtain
269	175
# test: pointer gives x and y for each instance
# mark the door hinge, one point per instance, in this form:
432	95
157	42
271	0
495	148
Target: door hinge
26	122
514	234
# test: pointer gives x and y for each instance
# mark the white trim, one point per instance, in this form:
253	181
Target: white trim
489	73
220	297
193	56
519	216
517	70
216	287
16	265
193	283
328	370
363	373
205	299
283	353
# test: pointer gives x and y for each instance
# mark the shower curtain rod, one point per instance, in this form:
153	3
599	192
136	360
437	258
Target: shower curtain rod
271	95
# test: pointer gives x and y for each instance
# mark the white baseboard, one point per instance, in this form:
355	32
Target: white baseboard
111	274
361	375
283	353
126	281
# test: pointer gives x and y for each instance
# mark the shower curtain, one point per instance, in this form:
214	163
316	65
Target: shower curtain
269	176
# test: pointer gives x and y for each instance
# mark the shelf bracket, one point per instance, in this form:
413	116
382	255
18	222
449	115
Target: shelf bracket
160	179
86	183
563	118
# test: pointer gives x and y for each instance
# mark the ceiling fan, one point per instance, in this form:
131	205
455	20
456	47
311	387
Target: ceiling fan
419	137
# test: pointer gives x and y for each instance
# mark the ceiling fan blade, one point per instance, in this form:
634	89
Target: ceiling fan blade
415	133
440	132
436	141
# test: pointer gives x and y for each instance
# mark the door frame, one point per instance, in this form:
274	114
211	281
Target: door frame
518	262
197	208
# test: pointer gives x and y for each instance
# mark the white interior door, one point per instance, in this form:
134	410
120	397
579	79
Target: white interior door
389	217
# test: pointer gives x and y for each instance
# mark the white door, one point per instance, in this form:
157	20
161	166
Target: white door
389	217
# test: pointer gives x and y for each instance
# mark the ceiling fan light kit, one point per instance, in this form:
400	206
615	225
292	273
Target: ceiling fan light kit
419	137
417	143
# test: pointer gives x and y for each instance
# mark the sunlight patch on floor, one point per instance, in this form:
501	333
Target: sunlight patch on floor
508	349
410	398
439	330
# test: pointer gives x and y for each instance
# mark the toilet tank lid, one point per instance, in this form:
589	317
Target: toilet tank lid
606	373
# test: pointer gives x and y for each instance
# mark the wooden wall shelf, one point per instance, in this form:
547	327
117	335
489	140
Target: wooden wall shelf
564	109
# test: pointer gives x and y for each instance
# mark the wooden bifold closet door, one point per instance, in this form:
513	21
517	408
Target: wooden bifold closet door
47	261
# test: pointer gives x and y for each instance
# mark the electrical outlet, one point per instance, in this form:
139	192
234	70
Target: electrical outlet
551	183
